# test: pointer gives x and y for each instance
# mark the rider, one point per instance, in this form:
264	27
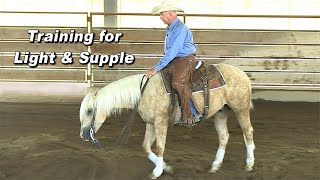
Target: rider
179	56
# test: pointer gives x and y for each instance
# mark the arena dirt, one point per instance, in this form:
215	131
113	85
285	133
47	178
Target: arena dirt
40	141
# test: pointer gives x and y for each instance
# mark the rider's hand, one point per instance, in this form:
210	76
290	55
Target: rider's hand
151	72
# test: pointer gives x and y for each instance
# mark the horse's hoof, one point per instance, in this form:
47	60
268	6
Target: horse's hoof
215	168
152	176
156	172
168	169
248	168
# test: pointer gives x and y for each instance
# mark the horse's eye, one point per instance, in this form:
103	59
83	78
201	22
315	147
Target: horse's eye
89	111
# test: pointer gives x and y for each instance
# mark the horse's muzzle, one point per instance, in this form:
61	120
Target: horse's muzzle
88	134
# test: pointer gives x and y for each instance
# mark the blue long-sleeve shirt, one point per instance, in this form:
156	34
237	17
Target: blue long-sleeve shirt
178	43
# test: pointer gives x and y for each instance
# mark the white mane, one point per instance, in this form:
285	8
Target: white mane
121	94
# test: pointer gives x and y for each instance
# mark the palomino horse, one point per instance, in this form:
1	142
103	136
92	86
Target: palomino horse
154	108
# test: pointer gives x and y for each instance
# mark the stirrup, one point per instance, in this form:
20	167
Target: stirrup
178	115
177	123
180	123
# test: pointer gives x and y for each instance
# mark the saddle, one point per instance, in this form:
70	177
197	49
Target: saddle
205	78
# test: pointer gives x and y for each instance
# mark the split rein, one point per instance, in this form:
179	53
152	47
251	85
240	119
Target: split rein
126	131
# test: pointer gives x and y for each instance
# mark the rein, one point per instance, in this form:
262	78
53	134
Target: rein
126	131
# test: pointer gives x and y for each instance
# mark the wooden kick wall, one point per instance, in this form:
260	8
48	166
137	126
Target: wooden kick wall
16	39
279	63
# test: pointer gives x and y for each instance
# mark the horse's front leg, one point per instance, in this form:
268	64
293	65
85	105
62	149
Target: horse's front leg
149	139
160	129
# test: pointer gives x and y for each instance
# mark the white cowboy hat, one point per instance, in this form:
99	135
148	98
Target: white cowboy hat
166	6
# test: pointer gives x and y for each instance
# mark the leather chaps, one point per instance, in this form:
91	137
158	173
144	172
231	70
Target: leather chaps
182	70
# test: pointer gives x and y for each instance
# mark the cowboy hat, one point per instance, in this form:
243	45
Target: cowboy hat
166	6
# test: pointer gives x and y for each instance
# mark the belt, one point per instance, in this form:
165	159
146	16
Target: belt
193	54
187	56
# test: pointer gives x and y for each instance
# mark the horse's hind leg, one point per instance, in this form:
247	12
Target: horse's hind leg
149	139
243	117
220	122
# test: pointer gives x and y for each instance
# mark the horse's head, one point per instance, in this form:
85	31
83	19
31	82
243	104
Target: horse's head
116	96
88	120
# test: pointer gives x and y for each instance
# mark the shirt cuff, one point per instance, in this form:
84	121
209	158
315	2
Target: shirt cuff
157	67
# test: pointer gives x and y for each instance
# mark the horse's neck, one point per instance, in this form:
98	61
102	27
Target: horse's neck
122	94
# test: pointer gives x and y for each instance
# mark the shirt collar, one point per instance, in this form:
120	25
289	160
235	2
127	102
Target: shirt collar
173	24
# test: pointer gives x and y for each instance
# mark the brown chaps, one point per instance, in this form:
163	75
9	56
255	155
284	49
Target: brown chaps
182	70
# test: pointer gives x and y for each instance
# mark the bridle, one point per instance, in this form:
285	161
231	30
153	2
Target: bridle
93	140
